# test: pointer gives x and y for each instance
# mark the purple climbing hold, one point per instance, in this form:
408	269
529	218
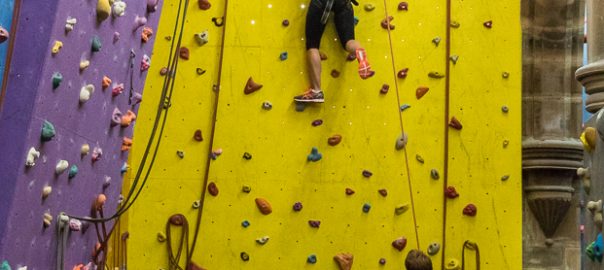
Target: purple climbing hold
317	123
285	22
367	173
152	5
297	206
314	223
116	117
382	261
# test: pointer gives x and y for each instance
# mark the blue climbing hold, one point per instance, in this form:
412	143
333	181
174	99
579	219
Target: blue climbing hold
283	56
598	248
124	168
405	106
314	155
5	265
73	171
312	258
366	207
245	224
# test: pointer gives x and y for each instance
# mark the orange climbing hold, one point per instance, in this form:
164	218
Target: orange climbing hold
251	86
344	260
126	144
421	91
334	140
264	206
128	118
106	82
99	202
146	34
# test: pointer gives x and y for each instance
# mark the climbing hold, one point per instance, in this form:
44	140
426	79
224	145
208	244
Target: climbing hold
470	210
124	168
218	21
434	174
116	37
436	75
117	89
505	177
73	171
454	24
32	155
116	117
349	191
314	155
401	141
106	82
84	64
100	201
285	23
251	86
244	256
386	23
145	63
452	264
419	159
4	35
46	191
401	208
61	166
47	220
48	131
213	189
180	154
245	224
454	123
283	56
436	41
126	144
403	6
75	225
85	149
204	4
366	207
196	204
103	9
505	109
383	192
297	206
323	56
56	47
421	91
589	135
202	38
505	75
136	98
70	23
335	73
95	44
402	73
454	59
247	156
139	21
367	173
267	105
246	189
344	260
351	57
199	71
317	122
356	20
505	143
183	52
197	135
57	78
405	106
119	8
384	89
128	118
314	223
161	237
488	24
451	193
312	259
97	152
262	240
264	206
369	7
433	248
400	243
86	92
334	140
382	261
146	34
152	5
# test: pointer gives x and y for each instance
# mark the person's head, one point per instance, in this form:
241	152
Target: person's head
417	260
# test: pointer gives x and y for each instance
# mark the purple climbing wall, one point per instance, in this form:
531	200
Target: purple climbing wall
30	99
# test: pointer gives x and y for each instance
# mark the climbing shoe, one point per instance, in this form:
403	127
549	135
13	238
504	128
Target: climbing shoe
364	67
310	96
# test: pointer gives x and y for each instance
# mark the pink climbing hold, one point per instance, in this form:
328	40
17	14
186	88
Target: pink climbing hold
4	35
400	243
470	210
117	90
145	63
97	153
204	4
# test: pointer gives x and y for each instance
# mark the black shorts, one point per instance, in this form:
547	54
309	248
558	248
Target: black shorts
343	17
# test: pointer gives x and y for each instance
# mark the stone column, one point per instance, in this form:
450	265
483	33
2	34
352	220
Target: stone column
552	51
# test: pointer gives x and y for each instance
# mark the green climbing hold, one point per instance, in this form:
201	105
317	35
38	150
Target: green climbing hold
5	265
73	171
48	131
57	78
96	44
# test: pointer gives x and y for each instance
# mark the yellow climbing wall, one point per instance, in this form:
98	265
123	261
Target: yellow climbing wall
280	139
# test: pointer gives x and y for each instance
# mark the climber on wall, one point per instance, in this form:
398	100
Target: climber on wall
316	19
417	260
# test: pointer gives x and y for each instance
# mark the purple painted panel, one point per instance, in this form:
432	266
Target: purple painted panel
25	241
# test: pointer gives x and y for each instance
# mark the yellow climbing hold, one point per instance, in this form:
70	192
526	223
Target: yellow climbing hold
56	47
588	137
452	264
103	10
84	64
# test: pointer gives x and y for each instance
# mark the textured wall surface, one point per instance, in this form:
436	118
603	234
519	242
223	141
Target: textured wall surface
280	139
30	99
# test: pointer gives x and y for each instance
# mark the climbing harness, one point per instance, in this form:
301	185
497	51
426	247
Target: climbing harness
327	11
400	115
180	221
470	246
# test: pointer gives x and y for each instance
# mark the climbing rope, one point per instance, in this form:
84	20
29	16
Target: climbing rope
470	246
180	221
400	115
446	162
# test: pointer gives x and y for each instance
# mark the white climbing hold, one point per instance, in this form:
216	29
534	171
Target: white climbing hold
86	92
202	38
46	191
85	149
22	268
119	8
47	219
262	240
61	166
32	155
70	24
139	21
84	64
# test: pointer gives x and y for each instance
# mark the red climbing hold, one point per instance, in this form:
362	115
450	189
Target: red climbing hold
421	91
488	24
470	210
204	4
384	89
334	140
400	243
402	73
183	52
383	192
177	219
386	23
454	123
264	206
251	86
323	55
213	189
451	193
349	191
335	73
403	6
197	136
